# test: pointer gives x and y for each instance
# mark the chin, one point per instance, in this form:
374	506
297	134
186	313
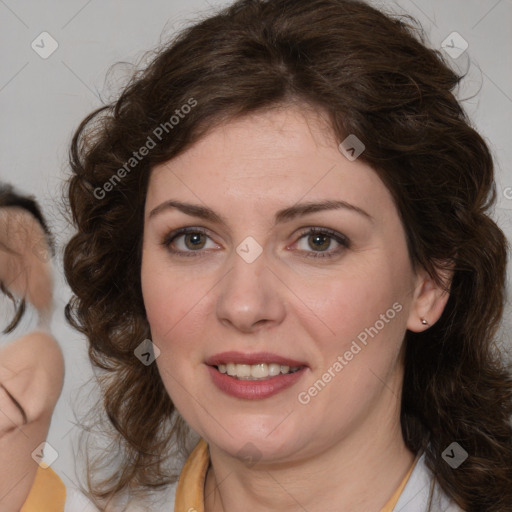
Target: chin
256	441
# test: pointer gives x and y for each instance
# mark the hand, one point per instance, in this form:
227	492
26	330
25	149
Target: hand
31	367
31	377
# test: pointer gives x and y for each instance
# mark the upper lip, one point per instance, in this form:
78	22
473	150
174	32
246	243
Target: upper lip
255	358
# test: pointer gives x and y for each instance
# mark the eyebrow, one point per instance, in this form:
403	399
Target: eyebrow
285	215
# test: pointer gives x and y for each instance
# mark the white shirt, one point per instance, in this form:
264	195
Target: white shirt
414	497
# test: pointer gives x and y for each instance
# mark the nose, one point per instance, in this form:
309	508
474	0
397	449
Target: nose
251	296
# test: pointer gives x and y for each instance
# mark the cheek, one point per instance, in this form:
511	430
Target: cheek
368	321
158	302
175	308
365	312
156	284
353	301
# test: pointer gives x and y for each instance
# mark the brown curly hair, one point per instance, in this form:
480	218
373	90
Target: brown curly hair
375	77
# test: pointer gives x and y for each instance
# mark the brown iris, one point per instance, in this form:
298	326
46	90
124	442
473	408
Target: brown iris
319	241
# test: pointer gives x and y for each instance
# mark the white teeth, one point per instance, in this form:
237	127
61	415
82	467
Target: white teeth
255	371
243	370
258	371
274	369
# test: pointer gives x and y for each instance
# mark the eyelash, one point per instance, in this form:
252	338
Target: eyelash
338	237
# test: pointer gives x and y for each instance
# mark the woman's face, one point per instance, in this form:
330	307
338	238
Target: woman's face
264	280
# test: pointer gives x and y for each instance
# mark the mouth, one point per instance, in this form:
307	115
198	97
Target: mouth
254	376
259	371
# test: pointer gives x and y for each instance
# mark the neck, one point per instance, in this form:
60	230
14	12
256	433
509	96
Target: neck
373	455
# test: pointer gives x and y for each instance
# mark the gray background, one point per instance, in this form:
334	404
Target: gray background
43	100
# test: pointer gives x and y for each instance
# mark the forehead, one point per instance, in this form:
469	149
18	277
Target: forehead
277	157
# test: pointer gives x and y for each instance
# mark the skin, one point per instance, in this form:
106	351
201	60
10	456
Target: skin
324	455
31	367
24	258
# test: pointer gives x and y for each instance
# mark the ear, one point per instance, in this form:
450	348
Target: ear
429	300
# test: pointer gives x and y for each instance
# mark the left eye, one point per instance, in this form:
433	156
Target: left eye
320	240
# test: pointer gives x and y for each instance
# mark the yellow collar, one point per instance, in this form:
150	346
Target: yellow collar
48	493
390	505
190	489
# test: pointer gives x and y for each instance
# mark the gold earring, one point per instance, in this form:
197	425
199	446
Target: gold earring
424	322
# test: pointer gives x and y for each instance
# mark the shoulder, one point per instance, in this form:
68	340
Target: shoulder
420	487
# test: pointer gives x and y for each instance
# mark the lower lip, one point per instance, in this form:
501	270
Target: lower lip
254	389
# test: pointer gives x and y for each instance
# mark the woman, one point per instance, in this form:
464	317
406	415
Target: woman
284	245
31	366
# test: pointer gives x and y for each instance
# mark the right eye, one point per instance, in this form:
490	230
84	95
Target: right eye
188	242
